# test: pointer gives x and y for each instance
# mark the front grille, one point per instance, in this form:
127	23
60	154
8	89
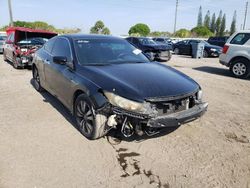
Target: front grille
173	106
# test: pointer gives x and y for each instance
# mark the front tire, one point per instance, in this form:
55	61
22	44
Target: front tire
16	62
177	51
240	68
90	124
205	54
4	56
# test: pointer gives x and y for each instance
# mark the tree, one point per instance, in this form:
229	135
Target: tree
160	34
182	33
233	24
201	31
139	28
213	23
207	20
199	22
42	25
223	26
106	31
218	23
99	28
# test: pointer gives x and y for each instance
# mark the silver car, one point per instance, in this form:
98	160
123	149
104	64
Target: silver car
2	41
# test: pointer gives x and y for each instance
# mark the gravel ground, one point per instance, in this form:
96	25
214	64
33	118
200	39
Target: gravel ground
40	147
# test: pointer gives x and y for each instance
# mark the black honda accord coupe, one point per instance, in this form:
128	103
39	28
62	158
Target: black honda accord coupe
107	83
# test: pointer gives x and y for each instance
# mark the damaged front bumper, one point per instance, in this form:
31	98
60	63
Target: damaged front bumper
178	118
151	124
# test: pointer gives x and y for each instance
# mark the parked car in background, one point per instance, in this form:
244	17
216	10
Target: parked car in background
236	54
155	51
218	41
21	44
107	83
162	40
185	48
2	41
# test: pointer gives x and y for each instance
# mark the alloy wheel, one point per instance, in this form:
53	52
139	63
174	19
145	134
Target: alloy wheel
36	79
85	117
239	69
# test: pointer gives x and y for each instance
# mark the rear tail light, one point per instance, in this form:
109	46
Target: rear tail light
225	49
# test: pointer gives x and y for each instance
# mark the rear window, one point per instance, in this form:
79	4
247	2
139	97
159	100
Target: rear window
240	38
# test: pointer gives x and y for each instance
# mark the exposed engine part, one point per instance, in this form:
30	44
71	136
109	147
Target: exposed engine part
151	132
127	129
112	121
138	130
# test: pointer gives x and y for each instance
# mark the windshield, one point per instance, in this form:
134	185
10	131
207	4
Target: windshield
107	51
34	41
146	41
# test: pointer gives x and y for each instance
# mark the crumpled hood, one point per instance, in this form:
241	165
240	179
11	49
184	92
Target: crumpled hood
139	81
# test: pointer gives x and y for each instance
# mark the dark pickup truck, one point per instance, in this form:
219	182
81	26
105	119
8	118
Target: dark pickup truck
155	51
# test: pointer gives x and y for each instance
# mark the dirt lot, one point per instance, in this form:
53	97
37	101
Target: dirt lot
39	146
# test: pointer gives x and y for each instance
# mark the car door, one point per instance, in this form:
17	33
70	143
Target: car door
9	46
182	47
61	76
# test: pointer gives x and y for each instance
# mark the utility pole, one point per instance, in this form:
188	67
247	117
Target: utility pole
176	10
244	25
10	12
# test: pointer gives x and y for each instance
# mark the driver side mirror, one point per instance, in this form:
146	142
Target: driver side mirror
61	60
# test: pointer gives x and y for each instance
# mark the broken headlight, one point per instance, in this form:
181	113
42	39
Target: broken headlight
126	103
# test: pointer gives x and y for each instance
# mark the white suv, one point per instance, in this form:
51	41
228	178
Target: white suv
236	54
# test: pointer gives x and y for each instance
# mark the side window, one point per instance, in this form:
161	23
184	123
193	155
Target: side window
62	48
49	45
11	37
240	38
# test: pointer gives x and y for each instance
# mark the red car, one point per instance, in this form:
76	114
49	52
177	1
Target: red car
22	43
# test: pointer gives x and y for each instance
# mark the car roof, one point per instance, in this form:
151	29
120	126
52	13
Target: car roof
24	29
89	36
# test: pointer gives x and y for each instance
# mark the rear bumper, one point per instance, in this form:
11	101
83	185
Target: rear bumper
176	119
224	63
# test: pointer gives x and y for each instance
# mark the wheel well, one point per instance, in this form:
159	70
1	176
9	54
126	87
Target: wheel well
238	57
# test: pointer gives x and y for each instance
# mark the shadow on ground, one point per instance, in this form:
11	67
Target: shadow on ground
113	136
214	70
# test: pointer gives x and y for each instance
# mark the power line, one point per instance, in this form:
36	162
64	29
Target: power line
244	25
10	12
175	20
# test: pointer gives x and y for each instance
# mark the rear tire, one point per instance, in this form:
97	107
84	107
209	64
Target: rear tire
240	68
90	124
36	80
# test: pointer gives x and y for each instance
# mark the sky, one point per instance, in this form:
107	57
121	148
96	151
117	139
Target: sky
120	15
